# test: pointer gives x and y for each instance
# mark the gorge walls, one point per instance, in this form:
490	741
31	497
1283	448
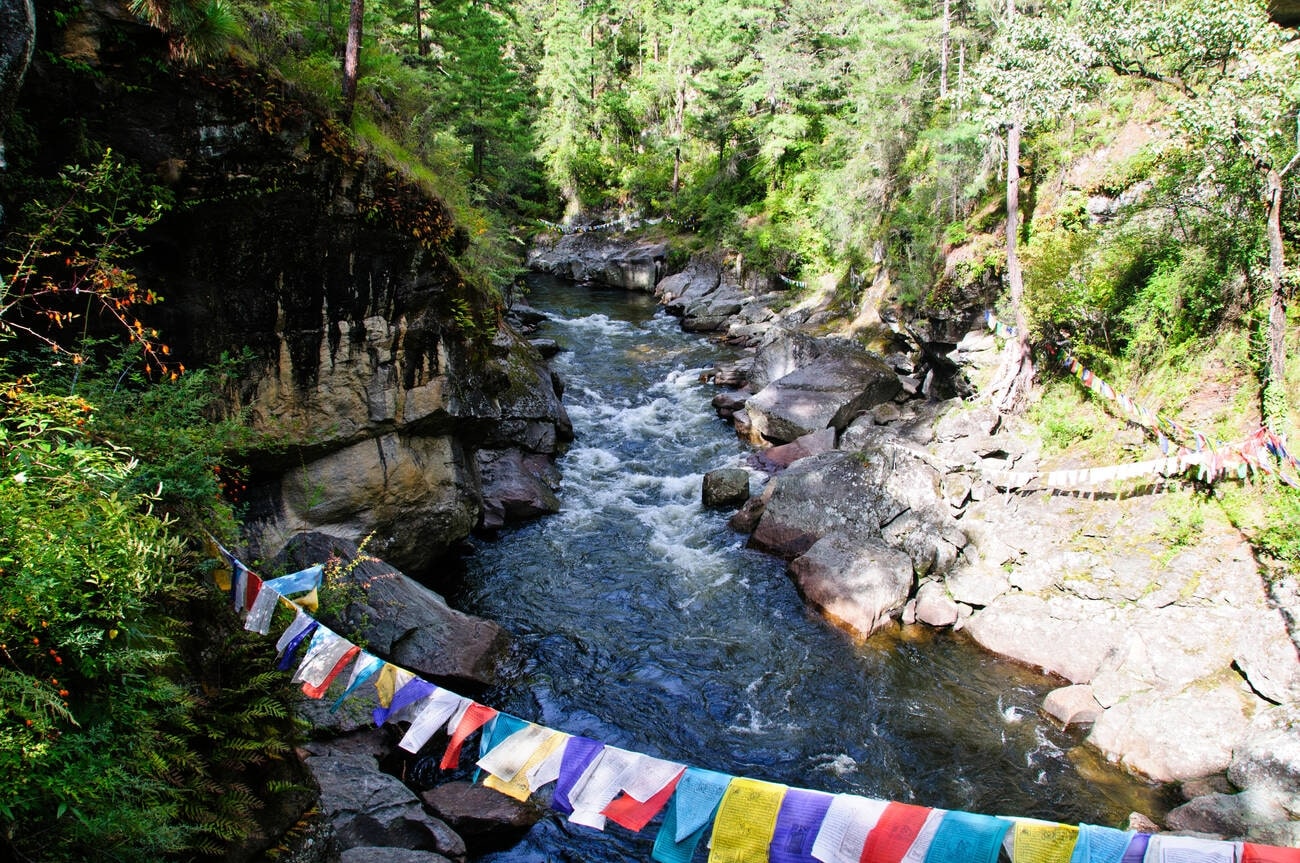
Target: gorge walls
377	373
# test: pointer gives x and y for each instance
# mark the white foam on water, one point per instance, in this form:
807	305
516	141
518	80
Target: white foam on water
838	763
596	323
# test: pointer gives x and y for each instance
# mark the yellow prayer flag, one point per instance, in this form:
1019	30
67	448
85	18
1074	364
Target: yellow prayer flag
386	683
1036	842
309	601
746	821
221	575
518	787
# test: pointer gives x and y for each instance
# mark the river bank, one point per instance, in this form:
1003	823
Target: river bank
1166	633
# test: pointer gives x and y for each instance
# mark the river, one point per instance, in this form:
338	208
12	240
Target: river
643	621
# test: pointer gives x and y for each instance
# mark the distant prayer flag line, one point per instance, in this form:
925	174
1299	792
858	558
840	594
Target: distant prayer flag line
752	821
1211	457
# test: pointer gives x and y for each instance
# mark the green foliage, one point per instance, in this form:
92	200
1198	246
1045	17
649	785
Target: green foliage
84	561
120	736
129	733
66	258
449	110
197	30
1279	537
1062	420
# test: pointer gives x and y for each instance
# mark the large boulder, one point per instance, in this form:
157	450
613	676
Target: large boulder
820	495
700	277
487	820
516	486
785	350
712	312
1174	736
401	620
371	808
831	391
600	257
415	495
856	585
883	496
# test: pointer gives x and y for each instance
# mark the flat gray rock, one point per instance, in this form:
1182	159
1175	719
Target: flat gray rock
1171	737
829	392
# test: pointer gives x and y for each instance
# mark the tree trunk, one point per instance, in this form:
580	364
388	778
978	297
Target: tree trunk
944	48
419	30
17	39
352	58
1274	407
1016	373
961	74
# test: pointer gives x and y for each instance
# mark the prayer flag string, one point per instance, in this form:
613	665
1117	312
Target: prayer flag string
752	821
1212	458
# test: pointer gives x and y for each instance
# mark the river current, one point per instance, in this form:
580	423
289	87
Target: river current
641	620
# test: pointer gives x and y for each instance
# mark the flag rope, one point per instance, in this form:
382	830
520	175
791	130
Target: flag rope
1212	457
752	821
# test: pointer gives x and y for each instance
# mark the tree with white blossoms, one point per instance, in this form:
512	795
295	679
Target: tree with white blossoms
1037	69
1236	82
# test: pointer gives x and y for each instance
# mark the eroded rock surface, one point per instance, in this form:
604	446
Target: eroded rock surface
599	257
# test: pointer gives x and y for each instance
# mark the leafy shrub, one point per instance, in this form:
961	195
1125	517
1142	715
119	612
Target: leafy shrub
128	735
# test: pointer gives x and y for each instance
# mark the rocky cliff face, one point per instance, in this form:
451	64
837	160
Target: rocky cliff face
377	369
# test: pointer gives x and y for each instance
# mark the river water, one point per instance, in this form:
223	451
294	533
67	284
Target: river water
642	621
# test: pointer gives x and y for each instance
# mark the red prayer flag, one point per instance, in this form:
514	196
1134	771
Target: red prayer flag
319	691
1251	853
635	815
252	587
894	833
476	715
